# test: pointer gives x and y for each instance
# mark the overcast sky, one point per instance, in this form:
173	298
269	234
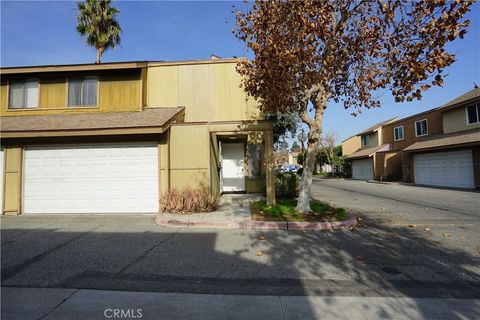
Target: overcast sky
43	32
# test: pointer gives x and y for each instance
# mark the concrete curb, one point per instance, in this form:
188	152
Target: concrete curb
165	221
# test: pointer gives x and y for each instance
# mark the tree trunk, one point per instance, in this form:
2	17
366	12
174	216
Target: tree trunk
303	204
99	54
315	126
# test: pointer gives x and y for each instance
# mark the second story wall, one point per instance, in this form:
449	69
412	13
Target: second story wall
456	120
434	126
117	90
351	145
209	90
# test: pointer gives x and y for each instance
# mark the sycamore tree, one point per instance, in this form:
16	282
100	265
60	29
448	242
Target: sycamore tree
309	53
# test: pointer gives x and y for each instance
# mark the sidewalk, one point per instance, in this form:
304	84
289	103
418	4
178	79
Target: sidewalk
50	304
234	212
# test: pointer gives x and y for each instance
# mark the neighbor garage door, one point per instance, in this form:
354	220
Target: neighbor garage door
362	169
94	178
448	169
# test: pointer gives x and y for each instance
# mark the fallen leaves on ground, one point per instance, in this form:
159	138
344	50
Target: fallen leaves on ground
259	253
427	229
412	225
446	235
261	238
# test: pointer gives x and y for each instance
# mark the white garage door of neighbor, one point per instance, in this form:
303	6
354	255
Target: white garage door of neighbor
447	169
362	169
93	178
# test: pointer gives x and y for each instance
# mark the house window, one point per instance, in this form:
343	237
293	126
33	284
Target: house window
82	91
398	133
365	140
421	128
473	114
23	94
254	159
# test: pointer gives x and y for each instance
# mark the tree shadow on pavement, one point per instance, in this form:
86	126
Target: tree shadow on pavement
375	261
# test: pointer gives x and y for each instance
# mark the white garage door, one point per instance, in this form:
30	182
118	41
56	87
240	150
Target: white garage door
362	169
448	169
94	178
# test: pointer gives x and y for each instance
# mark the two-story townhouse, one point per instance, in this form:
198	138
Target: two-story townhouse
112	137
364	151
438	147
450	158
404	132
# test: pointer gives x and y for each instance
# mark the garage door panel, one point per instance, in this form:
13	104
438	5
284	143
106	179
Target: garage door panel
91	179
448	169
362	169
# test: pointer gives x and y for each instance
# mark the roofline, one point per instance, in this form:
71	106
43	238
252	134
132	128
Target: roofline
458	104
108	65
380	124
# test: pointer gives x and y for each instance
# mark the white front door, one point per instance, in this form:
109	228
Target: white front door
91	178
233	167
448	169
362	169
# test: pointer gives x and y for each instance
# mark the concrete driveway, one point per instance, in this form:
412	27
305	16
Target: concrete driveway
401	204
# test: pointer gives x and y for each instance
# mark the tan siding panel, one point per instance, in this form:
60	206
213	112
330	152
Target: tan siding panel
189	147
351	145
162	86
195	178
456	120
194	92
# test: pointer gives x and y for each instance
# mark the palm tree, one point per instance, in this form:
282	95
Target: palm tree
97	21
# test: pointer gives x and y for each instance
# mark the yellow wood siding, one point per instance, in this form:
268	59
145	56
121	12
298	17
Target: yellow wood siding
162	86
13	180
194	92
209	91
119	91
53	93
189	156
456	120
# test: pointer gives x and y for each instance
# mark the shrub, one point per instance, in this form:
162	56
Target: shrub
286	185
188	200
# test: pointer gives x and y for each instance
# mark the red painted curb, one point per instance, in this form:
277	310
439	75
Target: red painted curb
266	225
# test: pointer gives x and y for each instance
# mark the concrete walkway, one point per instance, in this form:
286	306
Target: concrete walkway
36	303
234	212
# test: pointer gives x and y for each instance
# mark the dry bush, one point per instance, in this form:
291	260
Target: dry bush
188	200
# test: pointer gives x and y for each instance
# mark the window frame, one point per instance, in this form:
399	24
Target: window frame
403	133
426	128
24	106
477	108
83	78
368	138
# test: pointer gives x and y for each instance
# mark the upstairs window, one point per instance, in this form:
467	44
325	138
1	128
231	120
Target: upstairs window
398	133
82	91
421	128
23	94
473	114
365	140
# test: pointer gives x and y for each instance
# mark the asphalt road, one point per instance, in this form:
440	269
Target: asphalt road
439	257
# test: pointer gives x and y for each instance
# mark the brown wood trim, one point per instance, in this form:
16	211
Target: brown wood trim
74	67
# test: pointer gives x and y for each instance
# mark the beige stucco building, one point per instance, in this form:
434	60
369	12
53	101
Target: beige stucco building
113	137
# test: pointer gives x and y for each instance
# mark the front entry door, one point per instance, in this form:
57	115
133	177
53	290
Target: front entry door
233	167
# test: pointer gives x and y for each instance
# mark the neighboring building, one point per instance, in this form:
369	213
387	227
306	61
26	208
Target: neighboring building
363	150
438	147
450	158
112	137
293	157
